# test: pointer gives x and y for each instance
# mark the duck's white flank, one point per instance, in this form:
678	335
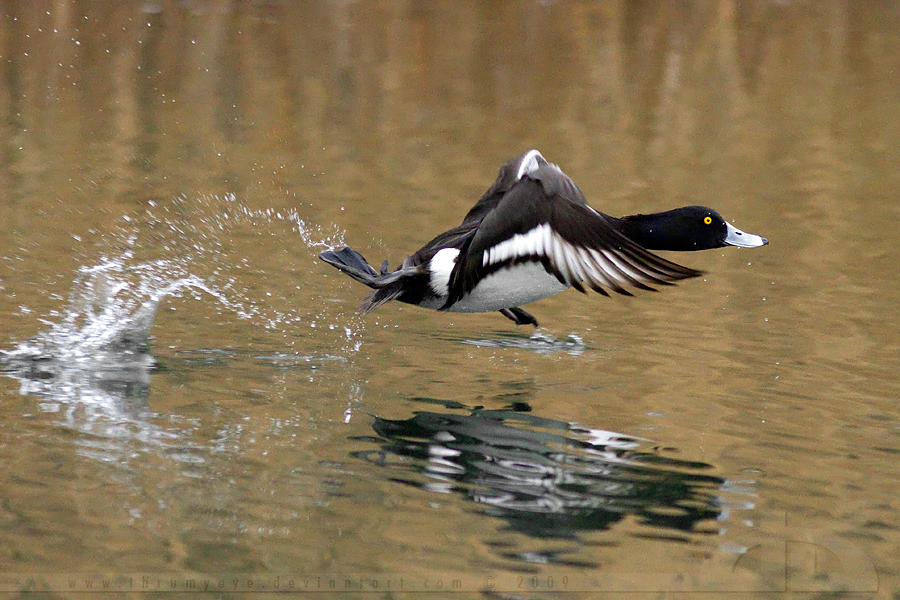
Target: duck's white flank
513	286
440	267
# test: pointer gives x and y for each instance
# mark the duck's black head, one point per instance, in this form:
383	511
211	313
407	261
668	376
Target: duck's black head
685	229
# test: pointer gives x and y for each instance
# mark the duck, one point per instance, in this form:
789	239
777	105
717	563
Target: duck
532	235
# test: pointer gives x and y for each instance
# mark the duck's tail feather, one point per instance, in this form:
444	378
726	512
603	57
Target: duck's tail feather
387	286
352	263
379	297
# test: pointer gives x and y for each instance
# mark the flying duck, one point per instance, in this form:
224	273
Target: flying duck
533	235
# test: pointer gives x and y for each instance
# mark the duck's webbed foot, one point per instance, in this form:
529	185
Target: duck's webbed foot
518	316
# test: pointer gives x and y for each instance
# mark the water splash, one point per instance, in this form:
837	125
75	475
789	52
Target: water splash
92	365
538	342
193	249
208	228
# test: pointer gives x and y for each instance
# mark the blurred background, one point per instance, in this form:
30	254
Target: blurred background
199	155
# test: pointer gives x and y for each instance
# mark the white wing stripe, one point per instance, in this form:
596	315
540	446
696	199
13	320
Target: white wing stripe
592	274
530	243
596	266
559	258
628	269
609	266
573	260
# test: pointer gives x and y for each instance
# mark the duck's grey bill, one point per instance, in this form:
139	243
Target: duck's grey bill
736	237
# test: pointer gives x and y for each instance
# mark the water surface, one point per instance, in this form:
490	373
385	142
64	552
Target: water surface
189	391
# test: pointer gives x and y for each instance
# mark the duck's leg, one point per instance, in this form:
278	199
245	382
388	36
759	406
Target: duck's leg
518	316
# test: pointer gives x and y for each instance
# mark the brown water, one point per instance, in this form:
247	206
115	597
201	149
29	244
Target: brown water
738	433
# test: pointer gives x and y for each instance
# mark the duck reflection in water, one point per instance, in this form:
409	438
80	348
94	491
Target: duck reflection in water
548	478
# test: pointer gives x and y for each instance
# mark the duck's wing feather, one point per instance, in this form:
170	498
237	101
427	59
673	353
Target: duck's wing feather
544	218
459	237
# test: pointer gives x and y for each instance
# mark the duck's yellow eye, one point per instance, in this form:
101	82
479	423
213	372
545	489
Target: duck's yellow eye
707	220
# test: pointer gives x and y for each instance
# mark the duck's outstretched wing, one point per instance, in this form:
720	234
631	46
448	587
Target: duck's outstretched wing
544	218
